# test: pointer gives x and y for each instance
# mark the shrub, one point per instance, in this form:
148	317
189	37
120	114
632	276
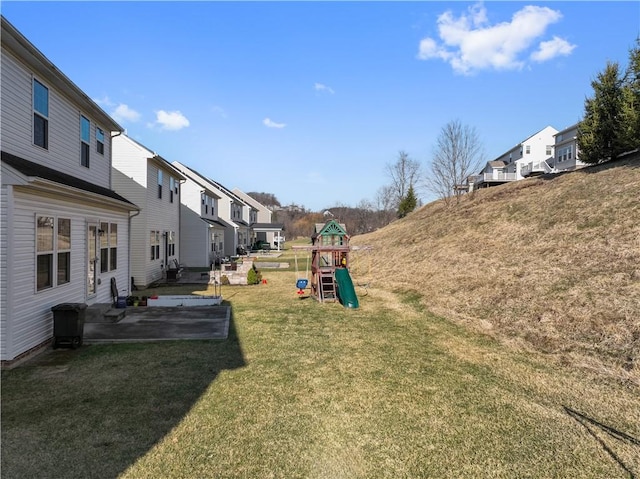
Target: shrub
254	276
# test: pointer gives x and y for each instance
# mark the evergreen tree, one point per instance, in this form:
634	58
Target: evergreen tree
408	203
600	136
631	100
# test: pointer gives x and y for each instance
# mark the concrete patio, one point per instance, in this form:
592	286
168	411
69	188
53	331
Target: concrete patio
161	323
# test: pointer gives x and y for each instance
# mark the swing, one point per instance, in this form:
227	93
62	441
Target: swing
302	283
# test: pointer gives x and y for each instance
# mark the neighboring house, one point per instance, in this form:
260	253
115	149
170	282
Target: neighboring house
64	232
529	157
534	154
153	184
567	155
202	232
494	173
262	228
230	211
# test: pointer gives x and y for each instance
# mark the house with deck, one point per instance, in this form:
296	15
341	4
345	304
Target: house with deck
153	184
64	230
532	156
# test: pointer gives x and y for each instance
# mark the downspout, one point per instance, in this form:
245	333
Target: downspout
112	136
179	232
129	259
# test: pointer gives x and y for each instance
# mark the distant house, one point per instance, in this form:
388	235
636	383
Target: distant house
262	228
202	231
229	211
64	231
534	154
567	155
494	173
153	184
529	157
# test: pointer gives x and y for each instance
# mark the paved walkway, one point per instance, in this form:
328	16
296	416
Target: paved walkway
162	323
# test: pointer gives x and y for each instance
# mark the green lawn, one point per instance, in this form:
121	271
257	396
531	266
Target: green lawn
308	390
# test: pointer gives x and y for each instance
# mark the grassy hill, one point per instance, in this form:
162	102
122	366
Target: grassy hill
549	263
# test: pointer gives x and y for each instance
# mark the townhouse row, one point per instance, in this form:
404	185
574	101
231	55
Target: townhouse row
82	205
546	151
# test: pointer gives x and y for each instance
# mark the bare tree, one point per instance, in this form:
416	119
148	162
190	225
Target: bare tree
458	154
404	173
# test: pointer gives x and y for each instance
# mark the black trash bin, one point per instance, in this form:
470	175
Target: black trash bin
68	324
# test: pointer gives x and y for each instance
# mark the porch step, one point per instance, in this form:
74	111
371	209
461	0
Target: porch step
104	313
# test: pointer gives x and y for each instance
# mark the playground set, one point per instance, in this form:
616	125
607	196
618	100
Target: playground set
330	279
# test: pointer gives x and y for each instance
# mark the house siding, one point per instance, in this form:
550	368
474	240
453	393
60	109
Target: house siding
63	153
194	240
31	319
135	176
26	320
4	268
162	215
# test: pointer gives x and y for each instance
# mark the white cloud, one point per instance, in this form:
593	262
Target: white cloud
104	102
171	120
551	49
469	43
268	122
322	87
123	113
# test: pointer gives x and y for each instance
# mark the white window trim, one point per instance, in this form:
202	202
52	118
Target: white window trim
54	252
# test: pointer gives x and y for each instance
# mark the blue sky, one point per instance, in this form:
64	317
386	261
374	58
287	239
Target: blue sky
310	100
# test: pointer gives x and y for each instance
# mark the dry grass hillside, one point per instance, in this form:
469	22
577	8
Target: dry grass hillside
551	264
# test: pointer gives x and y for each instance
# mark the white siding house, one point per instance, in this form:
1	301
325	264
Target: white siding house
153	184
567	155
531	156
202	232
229	212
534	154
64	231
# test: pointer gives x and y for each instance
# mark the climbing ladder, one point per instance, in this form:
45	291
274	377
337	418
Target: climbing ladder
327	286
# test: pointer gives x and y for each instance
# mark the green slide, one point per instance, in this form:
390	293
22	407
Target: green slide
346	291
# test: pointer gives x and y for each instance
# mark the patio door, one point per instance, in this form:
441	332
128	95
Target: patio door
92	258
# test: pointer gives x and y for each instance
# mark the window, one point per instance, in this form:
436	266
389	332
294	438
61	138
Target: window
85	140
171	187
40	115
160	184
113	247
155	245
44	233
548	150
64	250
103	233
108	233
99	140
527	149
53	252
172	243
